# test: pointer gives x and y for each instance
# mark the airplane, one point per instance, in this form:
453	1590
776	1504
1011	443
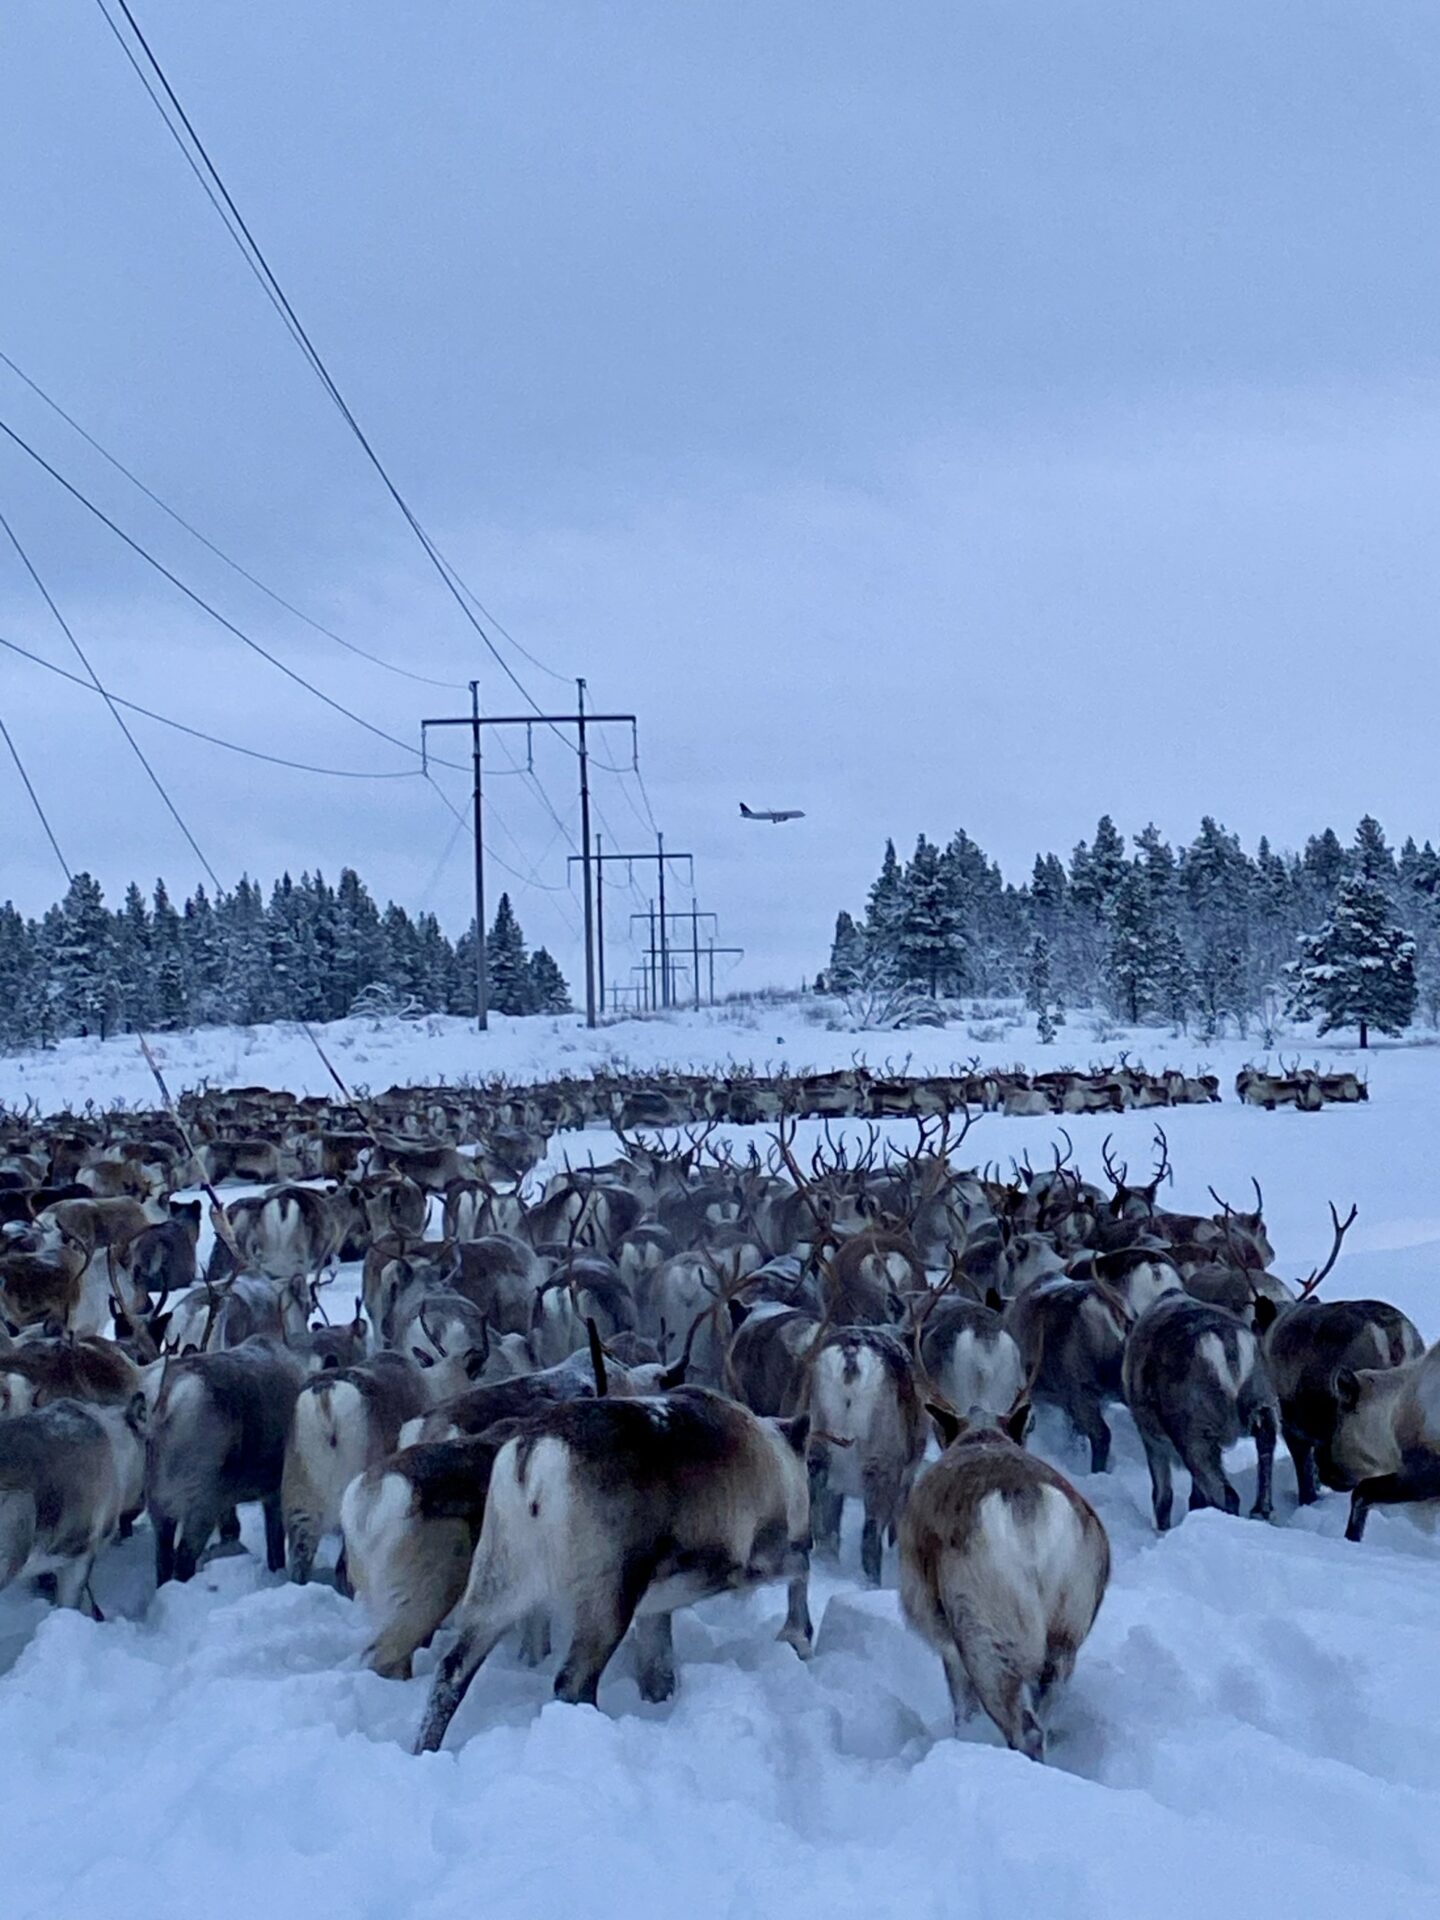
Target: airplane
775	814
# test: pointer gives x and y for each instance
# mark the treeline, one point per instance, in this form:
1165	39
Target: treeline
1202	936
309	952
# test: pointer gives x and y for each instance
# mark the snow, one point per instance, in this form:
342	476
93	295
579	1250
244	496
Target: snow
1250	1728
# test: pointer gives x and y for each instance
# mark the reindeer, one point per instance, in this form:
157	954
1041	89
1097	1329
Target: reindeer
1003	1567
1386	1445
625	1510
1196	1382
40	1371
1071	1335
345	1420
867	1435
70	1474
217	1439
1309	1345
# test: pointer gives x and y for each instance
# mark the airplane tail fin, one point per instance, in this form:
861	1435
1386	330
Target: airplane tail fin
746	811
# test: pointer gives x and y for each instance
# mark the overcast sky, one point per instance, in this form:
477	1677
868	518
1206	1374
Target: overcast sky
928	415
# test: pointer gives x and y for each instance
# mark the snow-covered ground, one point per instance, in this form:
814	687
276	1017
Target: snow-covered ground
1251	1730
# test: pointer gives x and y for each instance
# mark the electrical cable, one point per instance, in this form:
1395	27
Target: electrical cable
424	679
205	606
115	712
197	733
249	245
35	799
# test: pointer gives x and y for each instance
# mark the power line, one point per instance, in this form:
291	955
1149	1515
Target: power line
115	712
244	572
530	880
236	226
197	733
34	798
204	605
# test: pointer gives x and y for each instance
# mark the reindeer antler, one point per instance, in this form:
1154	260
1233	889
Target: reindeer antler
1341	1228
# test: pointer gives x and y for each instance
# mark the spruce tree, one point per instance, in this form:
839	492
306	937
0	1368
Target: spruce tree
847	956
1040	994
882	914
1371	855
172	987
548	991
1130	954
19	979
1359	969
133	963
82	963
507	966
928	938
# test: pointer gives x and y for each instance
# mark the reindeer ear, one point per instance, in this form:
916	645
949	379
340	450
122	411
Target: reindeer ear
1347	1390
796	1432
994	1299
947	1423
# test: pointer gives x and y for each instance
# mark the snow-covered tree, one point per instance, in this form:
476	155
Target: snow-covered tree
548	991
1040	995
507	965
928	936
882	909
847	955
82	962
1130	952
1359	969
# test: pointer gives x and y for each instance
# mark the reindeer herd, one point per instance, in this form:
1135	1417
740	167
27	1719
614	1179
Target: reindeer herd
656	1379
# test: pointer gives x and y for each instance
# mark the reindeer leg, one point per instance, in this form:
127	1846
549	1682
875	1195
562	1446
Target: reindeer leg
164	1549
1302	1452
1263	1428
798	1631
964	1701
1208	1485
1088	1418
655	1656
452	1679
1162	1486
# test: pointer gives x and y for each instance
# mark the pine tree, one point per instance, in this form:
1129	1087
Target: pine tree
172	987
507	966
548	991
204	959
246	989
1372	856
847	955
1130	954
882	914
1359	969
930	944
19	979
82	963
133	963
1174	989
1040	994
1324	863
